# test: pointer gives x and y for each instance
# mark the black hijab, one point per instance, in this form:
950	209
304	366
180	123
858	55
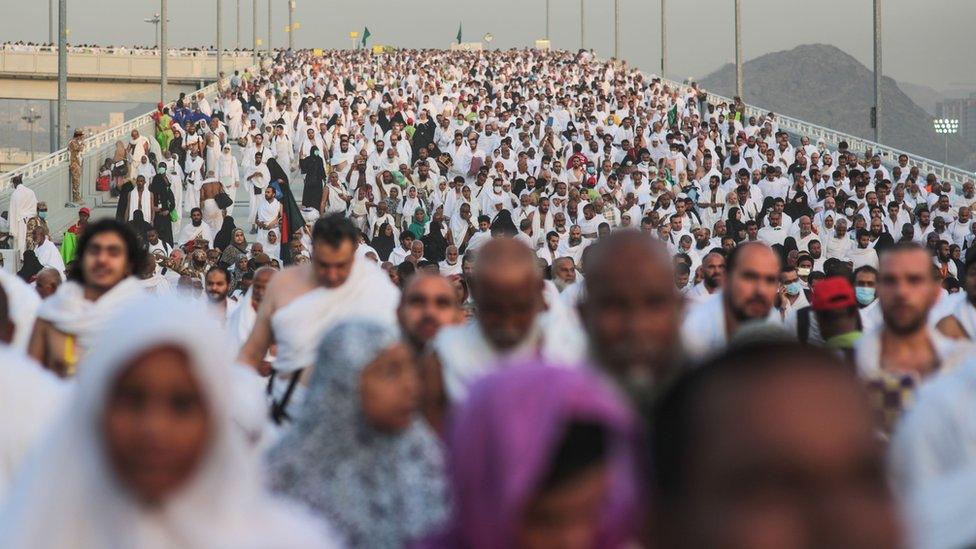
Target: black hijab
139	224
314	168
798	206
383	244
30	267
226	233
733	225
274	169
435	245
503	225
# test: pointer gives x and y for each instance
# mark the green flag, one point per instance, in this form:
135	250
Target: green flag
365	36
459	33
673	115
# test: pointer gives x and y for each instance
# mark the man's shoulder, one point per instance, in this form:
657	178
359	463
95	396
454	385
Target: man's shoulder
289	284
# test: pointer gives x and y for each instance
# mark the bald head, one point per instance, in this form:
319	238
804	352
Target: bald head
631	309
47	282
505	257
507	288
259	284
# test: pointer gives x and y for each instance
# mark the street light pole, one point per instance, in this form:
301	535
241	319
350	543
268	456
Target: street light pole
155	23
664	40
547	19
582	27
738	51
947	127
254	28
616	29
30	118
62	73
51	105
163	50
269	28
291	24
877	71
220	42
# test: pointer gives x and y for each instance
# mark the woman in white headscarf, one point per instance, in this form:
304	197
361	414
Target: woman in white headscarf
358	453
411	201
150	452
212	152
229	173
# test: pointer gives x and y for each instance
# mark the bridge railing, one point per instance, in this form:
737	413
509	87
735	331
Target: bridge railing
48	176
121	50
99	63
889	155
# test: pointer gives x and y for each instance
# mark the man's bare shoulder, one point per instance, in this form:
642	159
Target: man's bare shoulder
951	327
290	284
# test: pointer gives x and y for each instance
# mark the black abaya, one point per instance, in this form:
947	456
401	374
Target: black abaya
314	180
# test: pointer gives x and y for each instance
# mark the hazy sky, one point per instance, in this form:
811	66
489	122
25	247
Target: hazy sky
928	42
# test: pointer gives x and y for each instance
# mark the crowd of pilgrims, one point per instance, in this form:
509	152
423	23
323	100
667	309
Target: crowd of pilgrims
492	299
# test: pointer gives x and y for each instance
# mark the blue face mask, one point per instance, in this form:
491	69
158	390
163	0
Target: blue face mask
794	288
864	295
42	215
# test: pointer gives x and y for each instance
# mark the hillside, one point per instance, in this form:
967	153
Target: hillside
923	96
822	84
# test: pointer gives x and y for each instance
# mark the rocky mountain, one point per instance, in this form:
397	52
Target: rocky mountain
822	84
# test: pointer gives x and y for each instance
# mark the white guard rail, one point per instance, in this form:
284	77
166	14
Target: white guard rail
889	155
48	176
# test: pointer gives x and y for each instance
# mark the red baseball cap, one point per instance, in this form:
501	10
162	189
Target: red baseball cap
84	211
833	293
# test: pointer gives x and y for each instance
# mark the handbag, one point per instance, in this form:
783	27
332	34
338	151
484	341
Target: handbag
223	200
173	217
119	169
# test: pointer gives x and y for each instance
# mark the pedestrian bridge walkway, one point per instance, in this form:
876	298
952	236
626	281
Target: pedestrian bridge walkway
48	176
109	74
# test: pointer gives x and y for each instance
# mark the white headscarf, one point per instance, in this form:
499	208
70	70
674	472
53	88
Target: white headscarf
30	398
68	495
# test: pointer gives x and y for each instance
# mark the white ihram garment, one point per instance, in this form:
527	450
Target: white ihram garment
299	325
30	397
69	495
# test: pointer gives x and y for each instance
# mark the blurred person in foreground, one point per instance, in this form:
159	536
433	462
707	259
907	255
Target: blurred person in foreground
302	302
631	313
510	323
30	398
100	285
898	356
541	456
769	445
150	453
961	322
358	453
428	303
748	294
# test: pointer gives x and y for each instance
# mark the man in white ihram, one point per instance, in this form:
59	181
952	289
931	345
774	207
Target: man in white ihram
23	206
258	178
47	253
229	174
30	397
302	302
